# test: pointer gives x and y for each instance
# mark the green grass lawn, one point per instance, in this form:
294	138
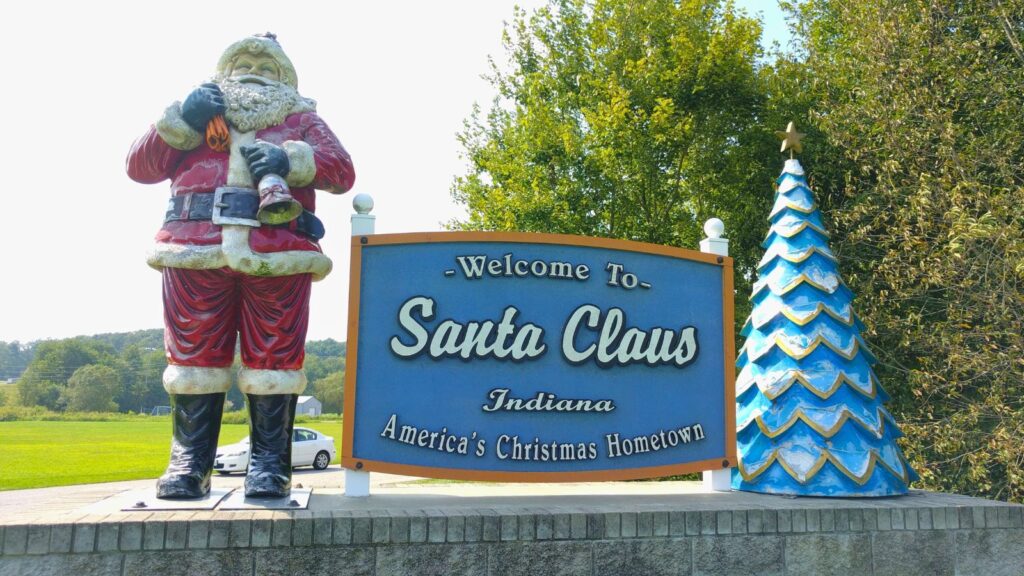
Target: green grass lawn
40	454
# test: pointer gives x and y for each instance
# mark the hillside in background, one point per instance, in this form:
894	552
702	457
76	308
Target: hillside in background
43	371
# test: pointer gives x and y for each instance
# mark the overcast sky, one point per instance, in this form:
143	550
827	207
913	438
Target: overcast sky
393	79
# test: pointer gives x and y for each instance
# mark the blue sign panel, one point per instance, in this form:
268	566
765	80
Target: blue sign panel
531	357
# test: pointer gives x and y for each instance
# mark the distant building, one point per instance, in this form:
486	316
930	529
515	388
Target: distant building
309	406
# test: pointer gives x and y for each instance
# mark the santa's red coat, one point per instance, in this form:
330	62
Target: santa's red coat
152	160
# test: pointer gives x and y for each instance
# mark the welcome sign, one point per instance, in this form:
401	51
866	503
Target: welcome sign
537	357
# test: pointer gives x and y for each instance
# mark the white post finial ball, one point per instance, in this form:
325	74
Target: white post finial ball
714	228
363	203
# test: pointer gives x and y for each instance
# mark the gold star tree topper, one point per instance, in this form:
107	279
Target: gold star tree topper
791	139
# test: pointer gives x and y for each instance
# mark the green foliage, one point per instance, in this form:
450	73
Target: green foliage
241	416
152	339
626	120
318	367
330	391
14	359
8	395
326	348
92	389
47	376
138	361
16	413
141	371
918	110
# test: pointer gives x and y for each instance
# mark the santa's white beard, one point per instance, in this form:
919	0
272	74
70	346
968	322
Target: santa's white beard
252	106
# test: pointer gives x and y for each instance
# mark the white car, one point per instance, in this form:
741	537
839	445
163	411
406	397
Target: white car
309	448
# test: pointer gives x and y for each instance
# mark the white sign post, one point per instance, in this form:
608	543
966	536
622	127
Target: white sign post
719	480
357	483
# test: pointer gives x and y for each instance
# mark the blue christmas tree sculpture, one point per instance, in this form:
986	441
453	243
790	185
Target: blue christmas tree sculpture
809	409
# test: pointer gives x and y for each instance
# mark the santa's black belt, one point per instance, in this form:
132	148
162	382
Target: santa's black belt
233	205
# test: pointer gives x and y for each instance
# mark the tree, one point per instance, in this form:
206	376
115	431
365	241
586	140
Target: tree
328	347
141	373
129	366
318	367
55	361
14	359
634	120
151	339
35	390
149	385
920	103
8	395
810	414
92	388
330	391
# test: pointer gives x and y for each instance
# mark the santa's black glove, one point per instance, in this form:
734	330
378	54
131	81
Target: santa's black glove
202	105
266	158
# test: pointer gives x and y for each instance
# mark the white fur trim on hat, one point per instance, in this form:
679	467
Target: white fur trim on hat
302	167
196	379
175	131
267	382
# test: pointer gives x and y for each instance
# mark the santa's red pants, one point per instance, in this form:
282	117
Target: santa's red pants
204	310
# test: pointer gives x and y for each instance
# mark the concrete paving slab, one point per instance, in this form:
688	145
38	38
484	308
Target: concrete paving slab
298	500
146	500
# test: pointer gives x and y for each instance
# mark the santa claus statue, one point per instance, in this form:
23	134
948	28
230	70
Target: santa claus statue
238	251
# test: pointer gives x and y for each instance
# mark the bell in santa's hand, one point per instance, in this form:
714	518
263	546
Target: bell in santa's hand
276	203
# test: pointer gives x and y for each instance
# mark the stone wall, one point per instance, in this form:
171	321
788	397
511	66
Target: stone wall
788	537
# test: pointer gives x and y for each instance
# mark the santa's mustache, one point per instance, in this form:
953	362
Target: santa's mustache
253	79
254	102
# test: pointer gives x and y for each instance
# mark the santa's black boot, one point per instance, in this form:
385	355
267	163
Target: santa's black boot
271	418
196	426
